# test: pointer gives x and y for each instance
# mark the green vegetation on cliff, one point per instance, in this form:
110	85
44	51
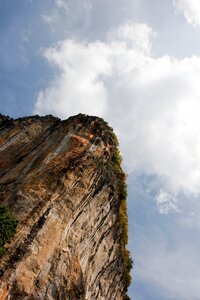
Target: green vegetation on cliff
120	177
122	215
8	225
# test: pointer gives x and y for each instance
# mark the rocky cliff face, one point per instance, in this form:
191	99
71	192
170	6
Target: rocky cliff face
63	182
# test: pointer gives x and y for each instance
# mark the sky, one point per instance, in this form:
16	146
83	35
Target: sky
136	63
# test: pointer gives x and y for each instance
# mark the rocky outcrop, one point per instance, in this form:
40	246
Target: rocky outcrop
63	182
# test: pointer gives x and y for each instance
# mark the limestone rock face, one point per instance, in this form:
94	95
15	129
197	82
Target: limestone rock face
57	181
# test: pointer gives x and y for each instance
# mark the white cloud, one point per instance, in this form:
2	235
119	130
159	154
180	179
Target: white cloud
134	36
49	19
84	71
62	4
190	9
166	202
77	87
152	103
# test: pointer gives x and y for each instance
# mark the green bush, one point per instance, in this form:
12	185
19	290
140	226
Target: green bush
8	225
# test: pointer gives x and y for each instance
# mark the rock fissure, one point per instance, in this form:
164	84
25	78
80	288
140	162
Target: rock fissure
22	249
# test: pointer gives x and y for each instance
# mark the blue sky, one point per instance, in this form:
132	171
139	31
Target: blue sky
137	64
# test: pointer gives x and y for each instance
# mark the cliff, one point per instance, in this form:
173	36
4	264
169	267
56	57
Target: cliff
62	184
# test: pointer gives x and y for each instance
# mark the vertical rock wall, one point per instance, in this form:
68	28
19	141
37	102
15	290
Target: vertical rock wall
58	179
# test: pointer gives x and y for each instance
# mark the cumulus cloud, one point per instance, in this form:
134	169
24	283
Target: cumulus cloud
133	35
77	88
190	9
152	103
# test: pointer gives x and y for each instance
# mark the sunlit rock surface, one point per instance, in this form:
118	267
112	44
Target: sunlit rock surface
56	180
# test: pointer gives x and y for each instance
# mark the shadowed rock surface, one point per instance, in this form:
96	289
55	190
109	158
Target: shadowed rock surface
58	180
